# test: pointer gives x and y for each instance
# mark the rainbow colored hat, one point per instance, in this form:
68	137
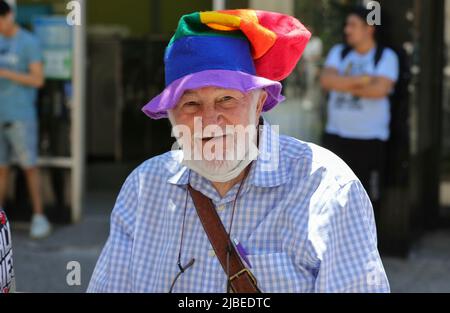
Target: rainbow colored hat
233	49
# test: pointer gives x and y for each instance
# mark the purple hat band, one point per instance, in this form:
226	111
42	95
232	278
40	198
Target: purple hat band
168	99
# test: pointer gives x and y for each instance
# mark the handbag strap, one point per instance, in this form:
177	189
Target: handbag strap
241	279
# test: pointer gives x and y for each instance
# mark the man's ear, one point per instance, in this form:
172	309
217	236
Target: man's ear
262	99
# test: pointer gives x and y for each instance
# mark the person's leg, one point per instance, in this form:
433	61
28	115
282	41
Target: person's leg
32	178
365	167
354	153
378	172
4	164
23	139
362	157
366	161
332	143
3	184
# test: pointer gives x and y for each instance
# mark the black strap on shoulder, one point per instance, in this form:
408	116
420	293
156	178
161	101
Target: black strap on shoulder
345	51
378	53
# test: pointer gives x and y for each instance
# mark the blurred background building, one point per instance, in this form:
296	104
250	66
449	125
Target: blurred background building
93	133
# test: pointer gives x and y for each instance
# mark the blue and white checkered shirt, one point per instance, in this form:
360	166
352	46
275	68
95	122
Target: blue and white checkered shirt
302	215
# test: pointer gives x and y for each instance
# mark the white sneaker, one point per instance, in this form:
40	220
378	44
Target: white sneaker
40	227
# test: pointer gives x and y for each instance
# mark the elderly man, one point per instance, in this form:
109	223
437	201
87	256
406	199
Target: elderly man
239	208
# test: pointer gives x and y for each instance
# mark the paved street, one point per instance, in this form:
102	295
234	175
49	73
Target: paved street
426	270
41	266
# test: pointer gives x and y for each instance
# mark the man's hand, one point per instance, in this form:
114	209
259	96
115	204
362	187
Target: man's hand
34	78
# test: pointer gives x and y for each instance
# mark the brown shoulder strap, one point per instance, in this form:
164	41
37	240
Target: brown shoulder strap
241	279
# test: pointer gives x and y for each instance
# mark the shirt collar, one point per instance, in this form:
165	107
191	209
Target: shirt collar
268	170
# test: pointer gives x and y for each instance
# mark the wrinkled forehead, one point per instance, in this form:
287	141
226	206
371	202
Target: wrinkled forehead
212	91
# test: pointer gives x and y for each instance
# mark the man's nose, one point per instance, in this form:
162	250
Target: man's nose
211	116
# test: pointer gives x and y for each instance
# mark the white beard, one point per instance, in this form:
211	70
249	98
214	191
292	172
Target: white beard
222	169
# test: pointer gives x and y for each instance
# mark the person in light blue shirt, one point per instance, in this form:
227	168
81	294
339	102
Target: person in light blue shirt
21	74
302	217
360	76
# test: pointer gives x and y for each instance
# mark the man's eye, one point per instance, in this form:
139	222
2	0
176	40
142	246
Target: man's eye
226	98
190	104
190	107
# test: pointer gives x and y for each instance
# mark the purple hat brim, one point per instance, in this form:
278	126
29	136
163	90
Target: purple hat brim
168	99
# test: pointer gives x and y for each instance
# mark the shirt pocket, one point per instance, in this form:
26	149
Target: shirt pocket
277	273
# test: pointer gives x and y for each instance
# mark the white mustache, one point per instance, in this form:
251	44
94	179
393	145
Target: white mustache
214	134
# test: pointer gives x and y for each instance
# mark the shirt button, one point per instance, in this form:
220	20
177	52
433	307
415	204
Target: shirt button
211	253
220	208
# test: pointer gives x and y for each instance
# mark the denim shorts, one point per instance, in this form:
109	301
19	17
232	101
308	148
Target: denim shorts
19	143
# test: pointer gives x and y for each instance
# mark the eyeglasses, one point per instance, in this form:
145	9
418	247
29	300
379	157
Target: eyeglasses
182	270
191	262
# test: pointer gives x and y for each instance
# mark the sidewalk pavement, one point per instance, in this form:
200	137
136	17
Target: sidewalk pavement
427	268
40	266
